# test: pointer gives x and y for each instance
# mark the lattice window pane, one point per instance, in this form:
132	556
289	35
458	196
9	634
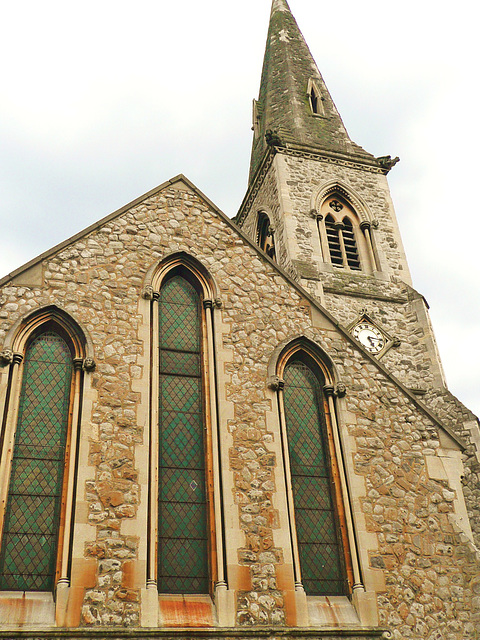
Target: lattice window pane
182	521
179	363
180	485
181	440
317	532
182	518
312	490
180	393
30	537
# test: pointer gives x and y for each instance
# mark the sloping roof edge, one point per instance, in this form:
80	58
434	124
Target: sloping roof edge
181	178
111	216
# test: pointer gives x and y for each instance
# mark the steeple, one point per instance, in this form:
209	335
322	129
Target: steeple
294	107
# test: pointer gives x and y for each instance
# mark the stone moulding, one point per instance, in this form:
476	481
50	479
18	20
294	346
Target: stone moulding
251	633
323	156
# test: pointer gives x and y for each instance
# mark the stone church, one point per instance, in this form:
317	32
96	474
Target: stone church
237	429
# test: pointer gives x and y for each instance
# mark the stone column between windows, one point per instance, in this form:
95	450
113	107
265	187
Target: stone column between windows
221	583
288	482
11	410
318	217
357	580
64	580
365	226
340	226
153	452
149	606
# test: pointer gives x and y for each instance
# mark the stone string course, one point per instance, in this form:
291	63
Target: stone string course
431	574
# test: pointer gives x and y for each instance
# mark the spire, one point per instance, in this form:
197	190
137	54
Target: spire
294	107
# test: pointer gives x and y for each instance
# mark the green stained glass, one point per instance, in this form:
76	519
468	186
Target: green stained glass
30	535
182	511
317	533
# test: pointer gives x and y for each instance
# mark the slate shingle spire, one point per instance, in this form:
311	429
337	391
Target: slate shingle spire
283	113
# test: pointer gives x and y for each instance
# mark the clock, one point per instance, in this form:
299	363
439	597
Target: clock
369	336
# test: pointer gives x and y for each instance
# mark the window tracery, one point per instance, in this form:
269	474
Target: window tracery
346	242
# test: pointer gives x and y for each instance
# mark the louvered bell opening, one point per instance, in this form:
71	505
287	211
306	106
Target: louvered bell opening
333	242
351	250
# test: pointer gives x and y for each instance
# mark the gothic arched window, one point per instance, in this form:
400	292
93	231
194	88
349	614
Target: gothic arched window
265	235
30	556
183	495
312	467
347	242
185	533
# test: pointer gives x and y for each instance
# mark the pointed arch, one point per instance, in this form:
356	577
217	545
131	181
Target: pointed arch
185	553
20	332
186	262
321	527
331	187
296	343
38	448
265	235
345	228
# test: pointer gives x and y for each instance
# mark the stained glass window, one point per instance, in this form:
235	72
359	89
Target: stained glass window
182	512
318	538
30	534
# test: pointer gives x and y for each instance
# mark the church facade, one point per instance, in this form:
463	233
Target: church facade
217	428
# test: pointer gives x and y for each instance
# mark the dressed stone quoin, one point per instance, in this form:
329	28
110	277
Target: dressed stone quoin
216	428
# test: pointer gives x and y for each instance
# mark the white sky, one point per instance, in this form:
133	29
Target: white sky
102	101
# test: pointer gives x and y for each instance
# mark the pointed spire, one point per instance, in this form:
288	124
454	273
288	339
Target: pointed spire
294	107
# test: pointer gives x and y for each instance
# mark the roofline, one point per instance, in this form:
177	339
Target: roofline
370	164
62	245
313	301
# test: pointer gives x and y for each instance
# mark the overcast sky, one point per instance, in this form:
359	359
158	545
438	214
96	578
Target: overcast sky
102	101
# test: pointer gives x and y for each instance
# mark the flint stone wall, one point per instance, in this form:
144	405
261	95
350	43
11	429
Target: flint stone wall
424	572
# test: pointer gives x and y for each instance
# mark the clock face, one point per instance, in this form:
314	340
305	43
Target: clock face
372	338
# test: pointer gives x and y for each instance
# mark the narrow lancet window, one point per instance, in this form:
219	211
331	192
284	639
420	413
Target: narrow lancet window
28	556
316	102
183	550
265	235
317	518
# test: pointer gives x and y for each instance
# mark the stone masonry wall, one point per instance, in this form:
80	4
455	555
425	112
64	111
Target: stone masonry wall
306	177
387	299
430	575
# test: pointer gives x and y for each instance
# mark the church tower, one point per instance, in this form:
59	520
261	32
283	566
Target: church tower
320	205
